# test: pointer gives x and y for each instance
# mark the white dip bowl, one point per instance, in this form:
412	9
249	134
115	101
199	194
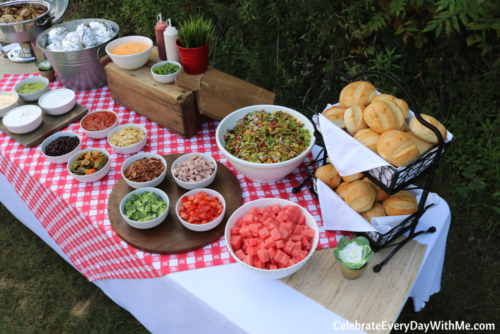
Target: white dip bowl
23	119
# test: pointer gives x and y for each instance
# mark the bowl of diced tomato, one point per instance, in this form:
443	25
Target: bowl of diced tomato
201	210
272	237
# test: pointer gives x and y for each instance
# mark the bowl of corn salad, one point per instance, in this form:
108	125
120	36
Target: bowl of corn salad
265	142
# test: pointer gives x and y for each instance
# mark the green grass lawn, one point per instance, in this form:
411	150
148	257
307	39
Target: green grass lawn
42	293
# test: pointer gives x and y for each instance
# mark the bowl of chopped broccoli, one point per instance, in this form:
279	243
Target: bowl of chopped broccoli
166	71
145	208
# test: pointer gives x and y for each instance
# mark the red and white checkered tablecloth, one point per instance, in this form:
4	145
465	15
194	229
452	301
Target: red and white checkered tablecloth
75	214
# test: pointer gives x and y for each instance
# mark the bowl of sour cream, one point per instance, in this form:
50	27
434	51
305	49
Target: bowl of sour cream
23	119
58	101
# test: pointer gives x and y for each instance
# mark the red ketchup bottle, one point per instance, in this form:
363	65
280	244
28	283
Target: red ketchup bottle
159	29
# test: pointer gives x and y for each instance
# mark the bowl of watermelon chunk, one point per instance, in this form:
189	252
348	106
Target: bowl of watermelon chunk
272	237
201	210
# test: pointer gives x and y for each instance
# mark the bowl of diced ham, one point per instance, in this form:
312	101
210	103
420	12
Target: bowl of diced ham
201	210
194	170
272	237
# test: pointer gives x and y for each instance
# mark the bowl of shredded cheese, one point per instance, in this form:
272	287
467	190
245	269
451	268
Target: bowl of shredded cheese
131	52
8	101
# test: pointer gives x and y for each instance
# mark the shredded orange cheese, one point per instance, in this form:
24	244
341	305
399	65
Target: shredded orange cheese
130	48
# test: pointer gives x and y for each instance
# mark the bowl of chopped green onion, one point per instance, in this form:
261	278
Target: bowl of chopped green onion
166	71
265	142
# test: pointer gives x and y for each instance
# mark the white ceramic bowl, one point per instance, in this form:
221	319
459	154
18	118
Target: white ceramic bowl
262	172
262	203
99	134
139	185
129	149
207	226
150	223
201	184
33	96
66	97
14	104
62	159
92	177
35	123
168	78
131	62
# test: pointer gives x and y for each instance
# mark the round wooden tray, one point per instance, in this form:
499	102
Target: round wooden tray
171	237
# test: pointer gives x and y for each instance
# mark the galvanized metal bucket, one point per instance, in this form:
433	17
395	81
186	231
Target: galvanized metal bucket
79	70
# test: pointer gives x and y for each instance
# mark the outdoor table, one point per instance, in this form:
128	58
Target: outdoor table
229	299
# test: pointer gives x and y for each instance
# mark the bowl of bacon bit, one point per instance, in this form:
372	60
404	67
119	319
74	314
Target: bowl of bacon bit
201	210
144	170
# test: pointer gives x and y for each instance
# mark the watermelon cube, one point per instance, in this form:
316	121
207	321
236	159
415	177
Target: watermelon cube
262	245
286	207
253	211
309	233
279	255
288	226
253	251
280	243
263	232
301	256
283	232
305	227
293	213
273	225
294	252
258	264
275	234
282	217
235	230
298	229
272	252
248	260
273	267
236	242
239	254
273	261
306	244
244	248
252	242
245	231
281	265
284	259
291	262
276	209
239	222
263	255
269	242
301	220
288	246
295	238
248	218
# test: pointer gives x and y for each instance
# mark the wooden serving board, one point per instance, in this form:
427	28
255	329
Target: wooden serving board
218	94
171	237
50	124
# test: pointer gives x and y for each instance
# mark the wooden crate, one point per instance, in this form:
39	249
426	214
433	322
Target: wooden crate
168	105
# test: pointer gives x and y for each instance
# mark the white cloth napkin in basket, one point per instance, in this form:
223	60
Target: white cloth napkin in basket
338	216
347	154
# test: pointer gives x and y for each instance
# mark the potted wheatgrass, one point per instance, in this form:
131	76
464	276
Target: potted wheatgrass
354	256
193	41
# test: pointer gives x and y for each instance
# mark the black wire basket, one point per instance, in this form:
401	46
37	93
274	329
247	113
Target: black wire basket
377	240
388	178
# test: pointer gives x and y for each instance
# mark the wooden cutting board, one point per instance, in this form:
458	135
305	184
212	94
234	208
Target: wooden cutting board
171	237
50	125
218	94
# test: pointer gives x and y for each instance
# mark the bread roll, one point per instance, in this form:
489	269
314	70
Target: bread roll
341	189
336	115
383	116
377	210
401	103
422	146
405	127
352	178
360	196
425	133
329	175
400	204
358	93
381	195
354	119
397	148
368	137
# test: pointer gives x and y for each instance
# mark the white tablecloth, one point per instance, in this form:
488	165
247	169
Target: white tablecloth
228	299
